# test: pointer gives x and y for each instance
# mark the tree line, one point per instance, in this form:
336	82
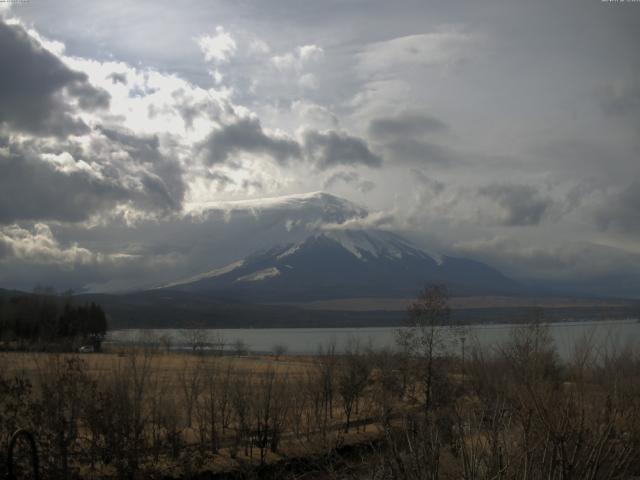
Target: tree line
44	321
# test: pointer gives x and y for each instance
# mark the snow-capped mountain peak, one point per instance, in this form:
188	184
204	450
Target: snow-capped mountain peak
346	263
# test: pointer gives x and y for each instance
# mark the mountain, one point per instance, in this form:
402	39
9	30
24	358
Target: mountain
345	263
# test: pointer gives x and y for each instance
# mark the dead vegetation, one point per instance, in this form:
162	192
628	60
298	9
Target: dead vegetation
510	412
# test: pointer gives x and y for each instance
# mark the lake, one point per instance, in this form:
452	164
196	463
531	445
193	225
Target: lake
302	341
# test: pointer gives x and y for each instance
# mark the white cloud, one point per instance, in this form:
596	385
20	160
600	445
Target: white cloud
218	47
39	246
258	47
441	47
297	59
64	162
310	52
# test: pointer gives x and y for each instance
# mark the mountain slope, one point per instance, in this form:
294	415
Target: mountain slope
343	264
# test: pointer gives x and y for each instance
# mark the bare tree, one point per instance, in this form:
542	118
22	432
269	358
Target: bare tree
196	337
353	377
206	407
279	349
242	404
423	336
327	362
388	388
63	386
191	380
240	348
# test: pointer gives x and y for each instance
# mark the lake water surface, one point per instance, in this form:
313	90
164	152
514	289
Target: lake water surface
301	341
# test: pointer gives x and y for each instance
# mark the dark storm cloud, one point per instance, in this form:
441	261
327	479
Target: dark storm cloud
620	211
246	135
162	177
520	204
63	181
329	149
322	149
405	125
31	189
33	84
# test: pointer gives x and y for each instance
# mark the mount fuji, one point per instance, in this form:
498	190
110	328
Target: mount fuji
344	263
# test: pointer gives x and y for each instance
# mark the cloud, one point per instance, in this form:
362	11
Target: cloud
32	189
331	148
295	65
419	152
407	124
402	137
38	245
519	204
221	179
322	149
346	177
350	178
38	93
621	98
372	220
298	58
217	48
34	255
246	135
444	46
366	186
577	265
116	77
161	177
431	185
620	211
71	182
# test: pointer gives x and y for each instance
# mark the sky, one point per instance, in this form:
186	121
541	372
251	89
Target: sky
501	131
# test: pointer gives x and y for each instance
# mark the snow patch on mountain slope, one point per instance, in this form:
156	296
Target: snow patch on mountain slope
259	275
357	243
210	274
290	251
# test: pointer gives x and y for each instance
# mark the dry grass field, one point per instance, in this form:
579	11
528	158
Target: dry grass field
513	412
180	411
170	364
